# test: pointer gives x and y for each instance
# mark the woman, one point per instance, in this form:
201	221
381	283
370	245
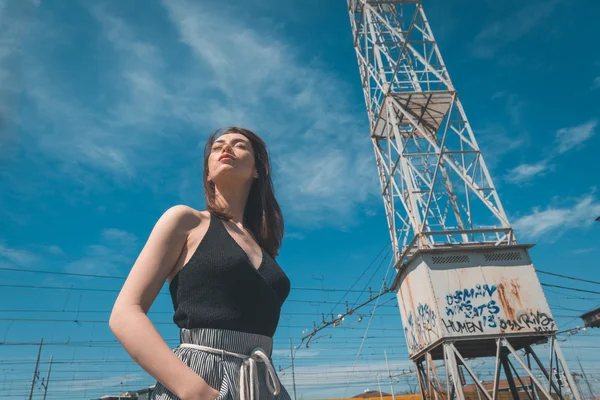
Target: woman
227	290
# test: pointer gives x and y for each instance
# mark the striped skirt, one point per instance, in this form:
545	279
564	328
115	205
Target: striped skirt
221	358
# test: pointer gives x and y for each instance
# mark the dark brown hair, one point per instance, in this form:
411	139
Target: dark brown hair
262	215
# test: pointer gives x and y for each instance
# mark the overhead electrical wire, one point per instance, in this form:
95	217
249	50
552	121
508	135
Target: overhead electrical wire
317	345
567	277
361	275
570	288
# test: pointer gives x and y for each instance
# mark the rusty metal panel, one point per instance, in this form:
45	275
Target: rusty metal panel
471	293
418	310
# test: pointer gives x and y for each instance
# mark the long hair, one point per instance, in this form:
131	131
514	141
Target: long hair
262	215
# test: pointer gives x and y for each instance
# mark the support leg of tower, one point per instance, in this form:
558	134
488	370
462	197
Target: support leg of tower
452	366
570	380
548	376
509	377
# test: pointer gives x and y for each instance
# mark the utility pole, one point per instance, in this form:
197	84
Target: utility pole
47	378
379	386
389	375
585	378
293	372
35	372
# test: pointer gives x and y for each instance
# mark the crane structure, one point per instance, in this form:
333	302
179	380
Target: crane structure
466	289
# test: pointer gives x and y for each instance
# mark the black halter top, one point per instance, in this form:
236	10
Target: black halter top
220	288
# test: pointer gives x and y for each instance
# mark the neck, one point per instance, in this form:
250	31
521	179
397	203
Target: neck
233	199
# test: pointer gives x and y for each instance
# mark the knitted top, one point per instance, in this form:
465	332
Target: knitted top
220	288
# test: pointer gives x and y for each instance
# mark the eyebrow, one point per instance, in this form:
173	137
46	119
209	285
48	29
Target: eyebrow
234	141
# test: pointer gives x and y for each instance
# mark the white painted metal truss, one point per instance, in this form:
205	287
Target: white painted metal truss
525	374
436	187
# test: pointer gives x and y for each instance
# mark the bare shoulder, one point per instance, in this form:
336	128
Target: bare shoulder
182	218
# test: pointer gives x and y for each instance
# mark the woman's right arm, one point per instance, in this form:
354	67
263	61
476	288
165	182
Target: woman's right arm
129	321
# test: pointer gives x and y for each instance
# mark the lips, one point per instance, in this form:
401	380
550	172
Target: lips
226	157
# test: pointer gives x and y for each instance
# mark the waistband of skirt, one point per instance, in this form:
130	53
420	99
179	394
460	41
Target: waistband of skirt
222	339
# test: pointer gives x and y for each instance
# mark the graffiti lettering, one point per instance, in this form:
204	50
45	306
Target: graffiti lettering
420	327
474	304
538	321
473	310
461	296
468	310
463	327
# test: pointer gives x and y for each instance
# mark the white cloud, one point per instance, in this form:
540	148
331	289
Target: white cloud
525	172
295	235
495	35
327	181
15	19
496	142
142	97
147	97
514	105
13	257
317	379
113	255
53	249
569	138
596	83
321	151
566	139
89	142
120	237
555	220
586	250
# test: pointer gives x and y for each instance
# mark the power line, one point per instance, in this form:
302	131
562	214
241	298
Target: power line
162	293
39	271
361	275
54	255
375	273
154	312
567	277
381	291
566	308
570	288
155	322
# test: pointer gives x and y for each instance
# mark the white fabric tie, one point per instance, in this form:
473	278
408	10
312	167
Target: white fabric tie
249	386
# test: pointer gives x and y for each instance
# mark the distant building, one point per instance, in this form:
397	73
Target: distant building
371	394
376	395
471	391
142	394
591	319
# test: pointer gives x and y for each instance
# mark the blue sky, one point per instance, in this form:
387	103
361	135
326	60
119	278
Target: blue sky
104	110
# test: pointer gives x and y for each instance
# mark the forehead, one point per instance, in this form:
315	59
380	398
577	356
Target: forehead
231	138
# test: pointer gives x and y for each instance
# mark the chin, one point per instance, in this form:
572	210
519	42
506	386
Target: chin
229	175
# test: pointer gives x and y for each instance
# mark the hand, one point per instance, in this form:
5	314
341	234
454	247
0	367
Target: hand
201	391
207	393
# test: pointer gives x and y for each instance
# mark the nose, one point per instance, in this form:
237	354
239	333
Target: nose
227	148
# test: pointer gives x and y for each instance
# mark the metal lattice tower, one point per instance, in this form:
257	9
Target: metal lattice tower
461	275
434	180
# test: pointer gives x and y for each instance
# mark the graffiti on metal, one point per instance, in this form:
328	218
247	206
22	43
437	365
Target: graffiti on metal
476	305
421	328
472	310
486	294
538	321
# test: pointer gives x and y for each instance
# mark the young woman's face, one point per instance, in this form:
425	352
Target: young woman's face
231	157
